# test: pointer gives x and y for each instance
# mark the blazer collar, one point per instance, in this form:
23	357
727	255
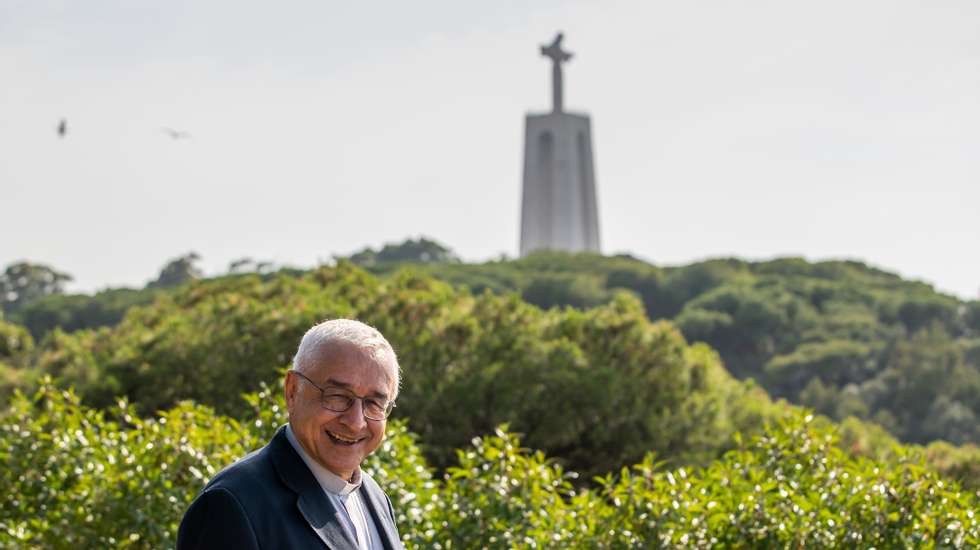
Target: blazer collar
316	508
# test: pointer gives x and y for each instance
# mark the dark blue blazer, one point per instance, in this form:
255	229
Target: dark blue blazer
270	499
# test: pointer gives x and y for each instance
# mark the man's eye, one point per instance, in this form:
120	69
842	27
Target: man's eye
336	398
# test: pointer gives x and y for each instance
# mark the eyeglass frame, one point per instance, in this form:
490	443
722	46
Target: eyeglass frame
389	407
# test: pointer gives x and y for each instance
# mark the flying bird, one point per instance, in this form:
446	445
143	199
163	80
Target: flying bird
62	128
175	134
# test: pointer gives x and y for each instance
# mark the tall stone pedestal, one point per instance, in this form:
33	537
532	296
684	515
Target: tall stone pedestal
559	211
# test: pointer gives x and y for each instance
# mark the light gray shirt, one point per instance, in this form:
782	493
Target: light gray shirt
343	495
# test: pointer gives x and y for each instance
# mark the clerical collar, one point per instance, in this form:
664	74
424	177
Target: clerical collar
331	482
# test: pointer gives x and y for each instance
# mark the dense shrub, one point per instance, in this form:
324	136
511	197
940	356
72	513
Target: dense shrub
75	477
15	341
16	346
79	477
793	487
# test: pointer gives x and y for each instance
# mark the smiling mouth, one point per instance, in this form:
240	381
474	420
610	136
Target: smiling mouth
343	440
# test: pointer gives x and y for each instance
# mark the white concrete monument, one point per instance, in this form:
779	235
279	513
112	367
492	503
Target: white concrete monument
558	211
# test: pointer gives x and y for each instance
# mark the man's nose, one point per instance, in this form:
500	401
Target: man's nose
354	416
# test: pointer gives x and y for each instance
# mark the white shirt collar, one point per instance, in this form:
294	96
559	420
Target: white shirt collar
329	481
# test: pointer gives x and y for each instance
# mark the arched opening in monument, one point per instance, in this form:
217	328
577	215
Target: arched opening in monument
546	171
586	191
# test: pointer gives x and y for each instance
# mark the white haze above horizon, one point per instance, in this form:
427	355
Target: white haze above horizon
755	129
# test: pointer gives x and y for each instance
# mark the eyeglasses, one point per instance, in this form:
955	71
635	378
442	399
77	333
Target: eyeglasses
338	401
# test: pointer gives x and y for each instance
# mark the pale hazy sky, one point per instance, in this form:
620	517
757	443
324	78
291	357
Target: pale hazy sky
824	129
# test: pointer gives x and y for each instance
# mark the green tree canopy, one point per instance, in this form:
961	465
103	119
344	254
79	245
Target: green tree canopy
178	271
422	250
24	282
594	388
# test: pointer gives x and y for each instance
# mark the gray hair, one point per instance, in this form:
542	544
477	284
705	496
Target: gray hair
349	331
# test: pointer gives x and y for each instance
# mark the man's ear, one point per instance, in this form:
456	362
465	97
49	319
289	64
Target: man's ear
290	388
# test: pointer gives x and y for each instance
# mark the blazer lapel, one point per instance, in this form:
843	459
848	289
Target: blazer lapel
378	505
316	508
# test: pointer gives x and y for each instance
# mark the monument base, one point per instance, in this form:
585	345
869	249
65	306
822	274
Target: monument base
558	210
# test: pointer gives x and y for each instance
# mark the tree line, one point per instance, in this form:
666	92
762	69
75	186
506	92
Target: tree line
841	337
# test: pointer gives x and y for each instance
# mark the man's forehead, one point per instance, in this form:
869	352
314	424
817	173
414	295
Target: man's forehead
342	360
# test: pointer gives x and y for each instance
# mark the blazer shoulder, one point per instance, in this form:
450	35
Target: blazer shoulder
216	518
246	471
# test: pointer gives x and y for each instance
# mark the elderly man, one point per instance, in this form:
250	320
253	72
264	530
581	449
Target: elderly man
305	489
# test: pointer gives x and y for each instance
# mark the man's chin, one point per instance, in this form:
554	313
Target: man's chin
340	459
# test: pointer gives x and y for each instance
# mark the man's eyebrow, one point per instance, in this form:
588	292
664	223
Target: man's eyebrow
349	387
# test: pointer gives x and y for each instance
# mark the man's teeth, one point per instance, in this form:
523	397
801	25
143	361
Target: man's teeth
342	438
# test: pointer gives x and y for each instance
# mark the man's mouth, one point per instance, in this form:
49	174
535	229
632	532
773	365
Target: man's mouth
342	439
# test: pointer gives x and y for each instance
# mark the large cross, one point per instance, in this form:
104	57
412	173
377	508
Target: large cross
558	56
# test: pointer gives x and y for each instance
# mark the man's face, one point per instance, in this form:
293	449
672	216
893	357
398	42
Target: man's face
339	441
